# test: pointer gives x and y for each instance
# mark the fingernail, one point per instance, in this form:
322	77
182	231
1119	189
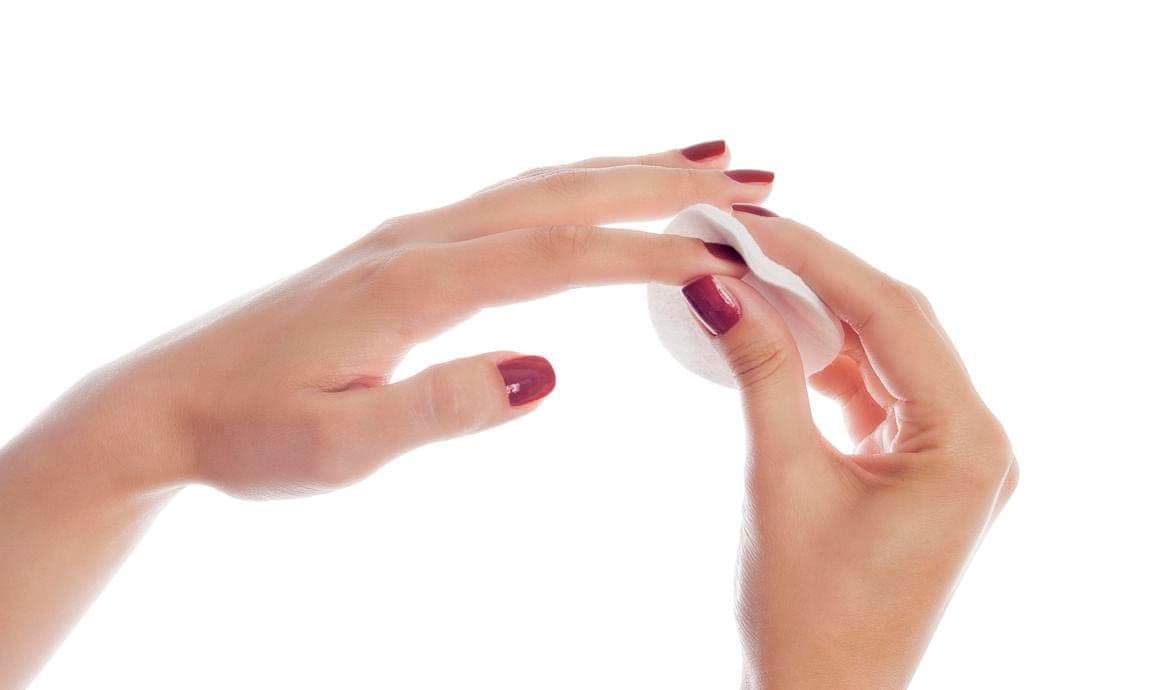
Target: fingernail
705	150
527	379
725	252
751	176
716	308
756	210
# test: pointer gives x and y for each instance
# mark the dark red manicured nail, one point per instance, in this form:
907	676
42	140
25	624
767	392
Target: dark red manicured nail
751	176
725	252
715	307
756	210
705	150
527	379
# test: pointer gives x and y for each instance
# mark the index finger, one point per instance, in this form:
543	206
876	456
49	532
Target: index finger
908	352
460	278
590	196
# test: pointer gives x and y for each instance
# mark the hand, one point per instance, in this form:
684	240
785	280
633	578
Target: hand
848	560
290	392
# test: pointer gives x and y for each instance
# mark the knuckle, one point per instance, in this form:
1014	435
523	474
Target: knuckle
892	300
787	242
384	284
401	266
565	184
896	295
993	438
985	476
566	243
990	466
757	361
533	173
392	233
916	295
450	403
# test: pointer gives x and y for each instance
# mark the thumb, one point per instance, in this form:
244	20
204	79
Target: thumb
457	398
762	355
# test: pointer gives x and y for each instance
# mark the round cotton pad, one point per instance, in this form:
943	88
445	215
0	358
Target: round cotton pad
816	330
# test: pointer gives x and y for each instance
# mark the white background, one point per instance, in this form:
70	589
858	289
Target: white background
157	160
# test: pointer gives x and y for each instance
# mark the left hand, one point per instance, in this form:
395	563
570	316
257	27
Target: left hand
289	392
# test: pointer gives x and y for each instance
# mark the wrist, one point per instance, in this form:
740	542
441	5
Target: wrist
113	436
77	489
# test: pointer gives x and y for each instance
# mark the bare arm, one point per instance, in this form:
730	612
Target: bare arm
290	392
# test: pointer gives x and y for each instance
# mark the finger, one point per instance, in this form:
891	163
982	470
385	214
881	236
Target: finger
450	400
763	357
928	310
460	278
906	350
843	382
709	154
593	196
853	348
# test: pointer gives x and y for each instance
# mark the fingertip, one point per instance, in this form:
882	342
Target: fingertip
713	304
725	252
526	379
757	312
731	261
753	210
707	153
750	176
748	187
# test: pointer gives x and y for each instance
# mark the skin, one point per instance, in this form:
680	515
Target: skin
848	560
288	392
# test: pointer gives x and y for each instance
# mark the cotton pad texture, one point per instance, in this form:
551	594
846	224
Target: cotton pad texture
816	330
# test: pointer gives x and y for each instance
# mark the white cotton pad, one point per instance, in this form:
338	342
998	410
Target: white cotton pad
816	330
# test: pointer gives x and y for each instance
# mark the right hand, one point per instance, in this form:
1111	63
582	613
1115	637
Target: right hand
848	560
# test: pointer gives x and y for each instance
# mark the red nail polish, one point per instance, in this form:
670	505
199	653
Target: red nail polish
713	304
705	150
527	379
751	176
756	210
725	252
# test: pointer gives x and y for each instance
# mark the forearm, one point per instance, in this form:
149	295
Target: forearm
830	670
73	502
829	654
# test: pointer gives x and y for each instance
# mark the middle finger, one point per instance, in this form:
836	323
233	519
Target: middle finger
596	196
